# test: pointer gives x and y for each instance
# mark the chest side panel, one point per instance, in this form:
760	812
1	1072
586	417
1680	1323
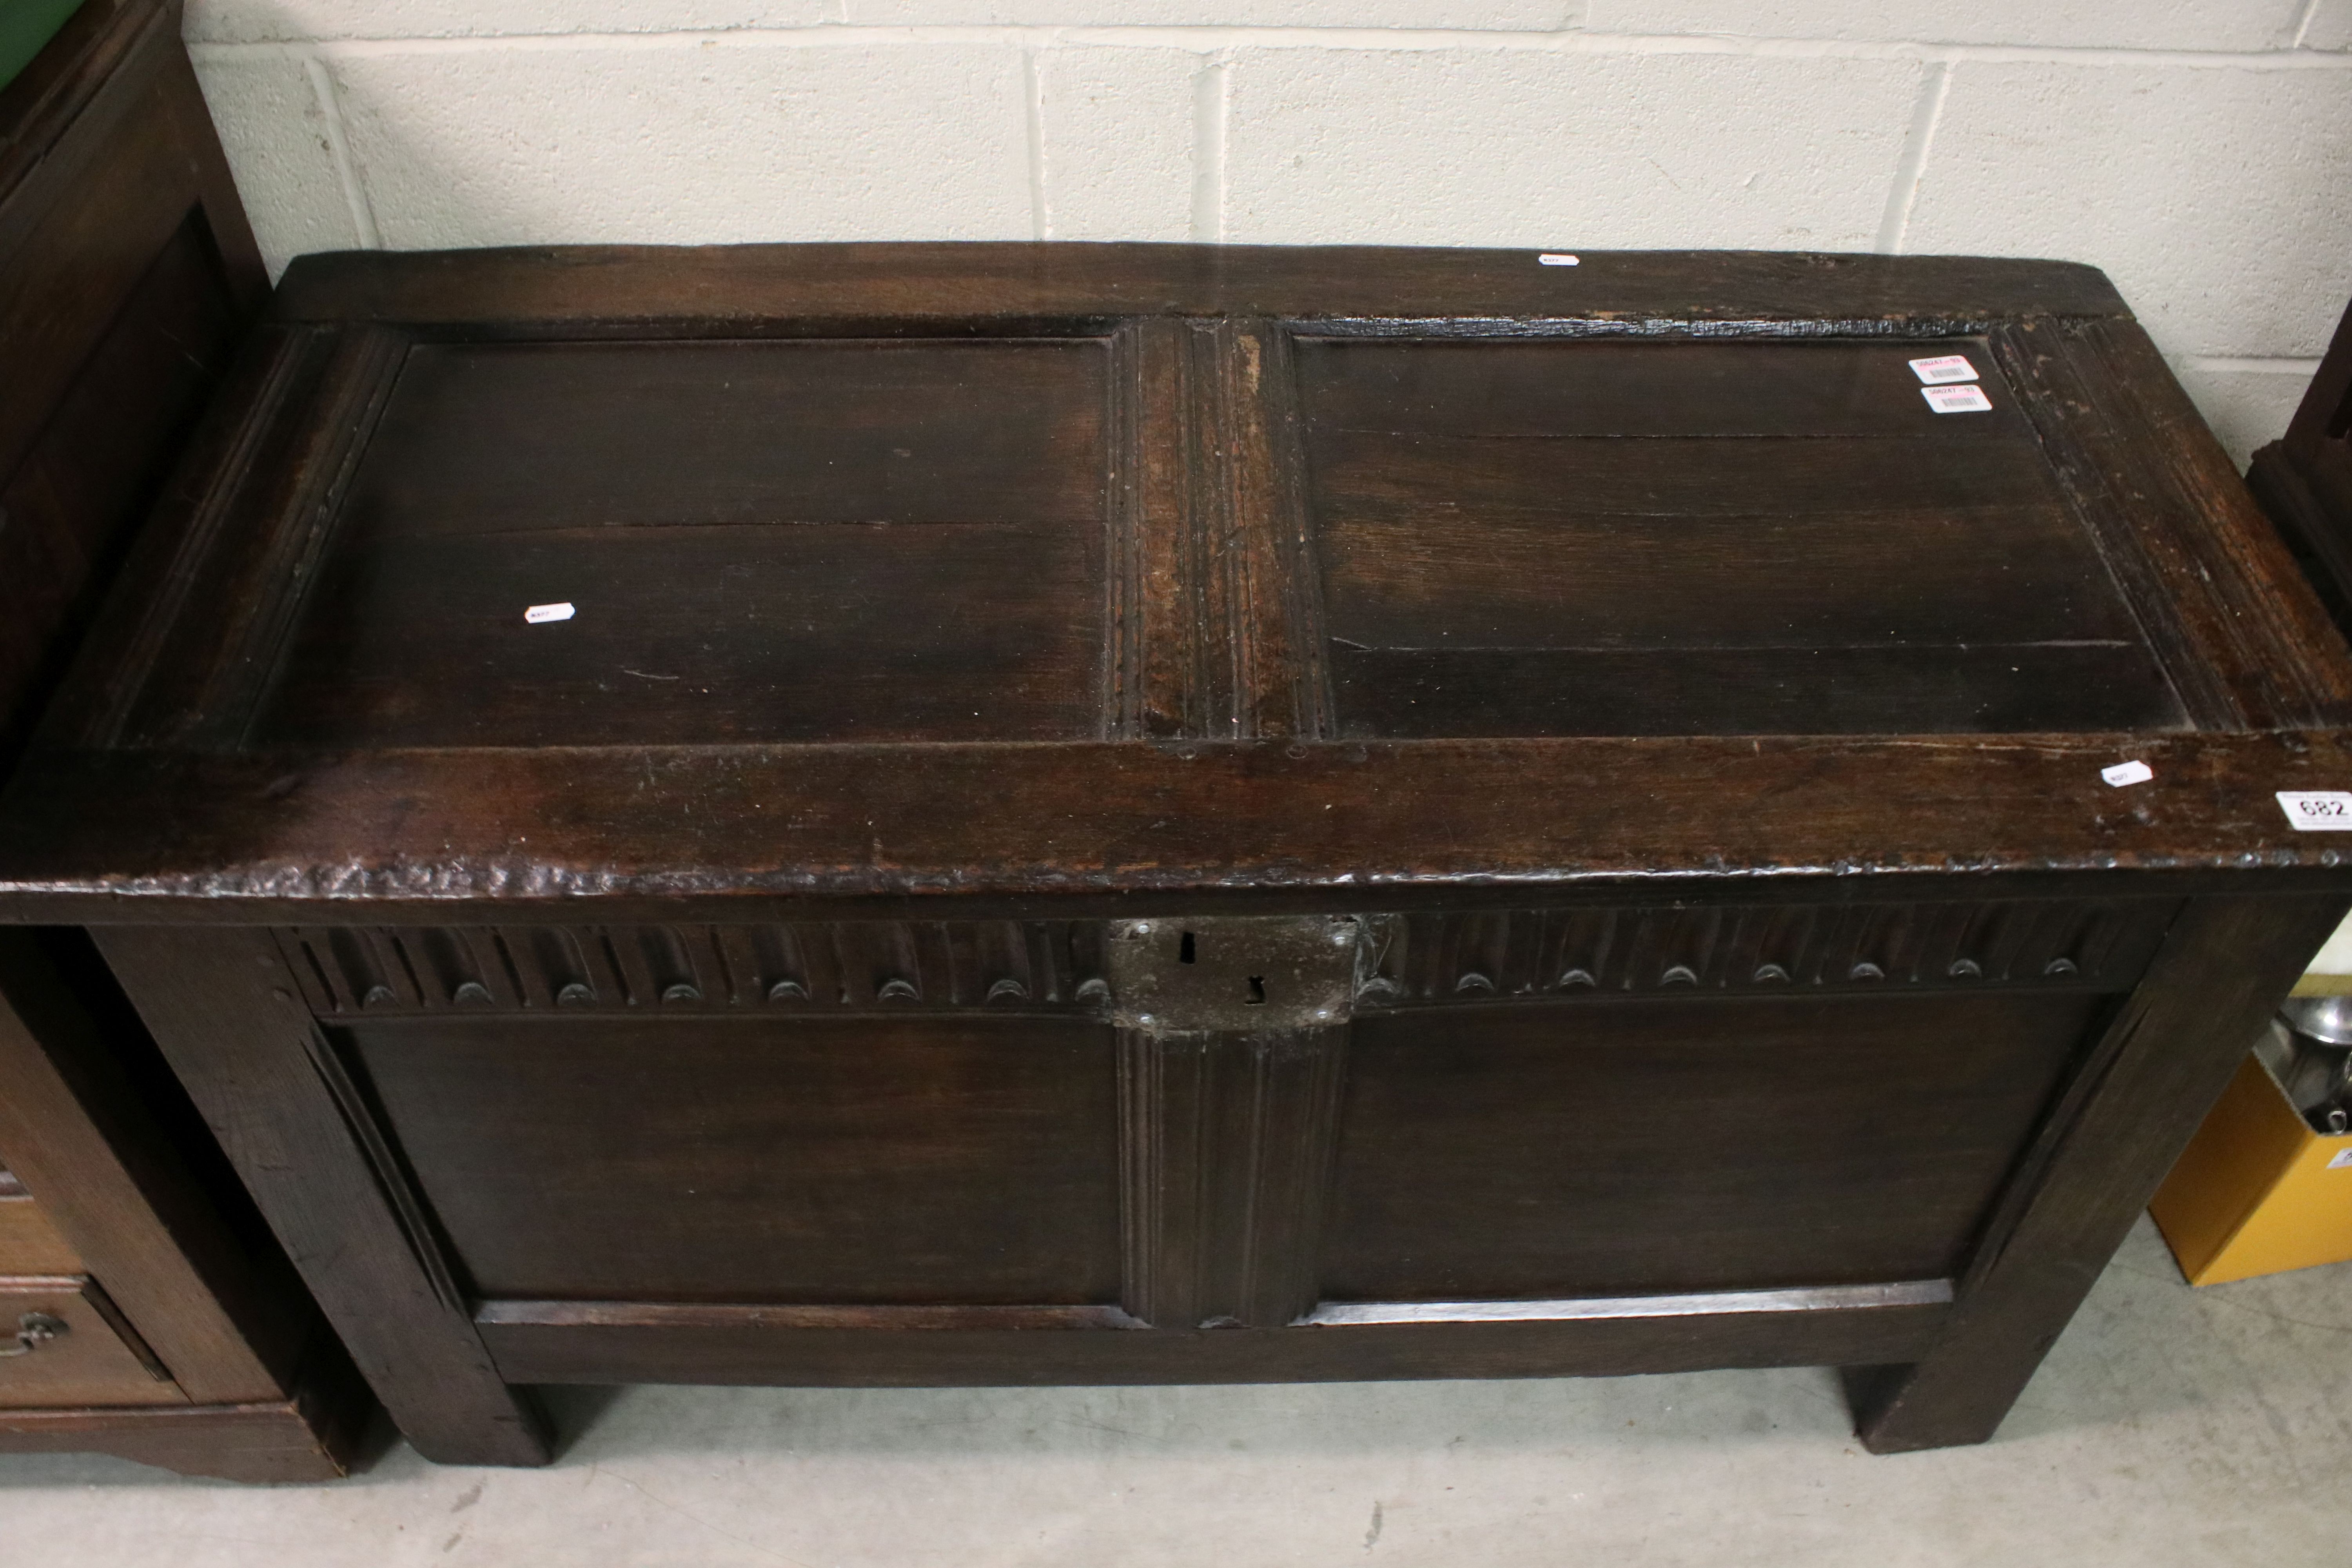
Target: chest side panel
1596	536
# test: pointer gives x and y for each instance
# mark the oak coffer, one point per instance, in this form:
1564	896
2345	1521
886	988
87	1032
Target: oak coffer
1013	814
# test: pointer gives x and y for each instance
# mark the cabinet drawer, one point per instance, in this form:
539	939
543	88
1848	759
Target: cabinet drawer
91	1358
29	1243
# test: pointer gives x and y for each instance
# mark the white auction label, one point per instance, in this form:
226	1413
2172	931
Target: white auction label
1948	367
1557	259
2124	774
2343	1158
2317	810
1956	399
539	613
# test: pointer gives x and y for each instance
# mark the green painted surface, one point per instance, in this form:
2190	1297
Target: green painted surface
25	26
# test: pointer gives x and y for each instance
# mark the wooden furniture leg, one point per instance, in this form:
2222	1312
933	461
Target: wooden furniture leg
231	1022
2160	1063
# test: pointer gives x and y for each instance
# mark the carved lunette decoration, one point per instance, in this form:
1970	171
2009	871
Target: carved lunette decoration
1437	958
1059	965
820	966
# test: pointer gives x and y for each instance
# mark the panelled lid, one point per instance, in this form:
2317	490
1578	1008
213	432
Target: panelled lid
888	571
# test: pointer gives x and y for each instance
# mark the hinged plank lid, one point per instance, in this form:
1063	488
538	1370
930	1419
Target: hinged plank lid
880	573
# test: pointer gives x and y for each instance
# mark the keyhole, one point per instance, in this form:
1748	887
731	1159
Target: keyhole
1256	998
1184	952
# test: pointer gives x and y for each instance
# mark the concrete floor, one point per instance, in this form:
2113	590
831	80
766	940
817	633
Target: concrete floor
2169	1426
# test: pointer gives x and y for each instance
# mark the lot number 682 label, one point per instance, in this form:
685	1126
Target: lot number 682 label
2317	810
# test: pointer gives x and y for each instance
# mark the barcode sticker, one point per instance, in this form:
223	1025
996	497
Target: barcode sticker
1557	259
2124	774
2343	1158
1956	399
539	613
1947	367
2317	810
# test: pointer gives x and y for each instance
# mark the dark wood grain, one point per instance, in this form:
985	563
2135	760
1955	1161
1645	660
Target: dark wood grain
1982	521
733	289
301	837
909	1161
1154	637
1663	1146
521	437
128	271
1600	537
2308	499
1253	576
1214	608
227	1013
2159	1064
1227	1142
1616	388
127	276
1699	737
2319	422
688	635
95	464
101	167
2245	639
2239	562
1454	574
1440	693
737	1347
1673	476
2303	481
203	640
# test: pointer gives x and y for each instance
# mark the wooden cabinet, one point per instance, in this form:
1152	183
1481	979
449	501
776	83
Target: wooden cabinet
29	1243
1008	814
144	1310
2304	479
65	1343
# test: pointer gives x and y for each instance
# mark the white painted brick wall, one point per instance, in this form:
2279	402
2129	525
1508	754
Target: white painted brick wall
2200	151
1467	145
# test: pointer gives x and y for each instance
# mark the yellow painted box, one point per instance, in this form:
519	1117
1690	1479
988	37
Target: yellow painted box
2257	1191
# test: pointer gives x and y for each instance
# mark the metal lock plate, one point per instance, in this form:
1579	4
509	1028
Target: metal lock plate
1236	975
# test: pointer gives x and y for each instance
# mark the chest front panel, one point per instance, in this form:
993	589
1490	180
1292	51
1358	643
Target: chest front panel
1531	1105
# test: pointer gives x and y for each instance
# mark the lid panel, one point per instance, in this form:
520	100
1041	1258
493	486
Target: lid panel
758	542
1621	386
1964	576
483	438
1422	693
1724	537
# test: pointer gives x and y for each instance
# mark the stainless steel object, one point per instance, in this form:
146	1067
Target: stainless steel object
2327	1019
